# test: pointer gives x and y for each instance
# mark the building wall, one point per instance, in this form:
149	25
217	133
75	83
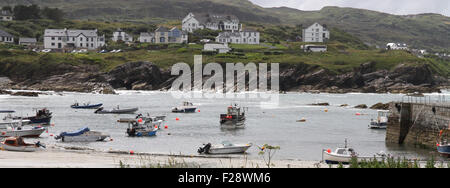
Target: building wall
7	39
315	33
6	18
80	41
243	38
190	24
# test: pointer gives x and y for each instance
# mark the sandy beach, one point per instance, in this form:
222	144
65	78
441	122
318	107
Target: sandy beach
56	158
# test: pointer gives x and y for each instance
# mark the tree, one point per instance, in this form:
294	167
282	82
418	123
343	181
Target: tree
53	14
22	12
267	152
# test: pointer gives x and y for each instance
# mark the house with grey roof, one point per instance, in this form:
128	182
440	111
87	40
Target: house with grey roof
73	39
164	35
5	37
194	21
27	41
6	15
246	36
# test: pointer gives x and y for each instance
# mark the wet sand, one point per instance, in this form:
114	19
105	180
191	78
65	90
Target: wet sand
54	158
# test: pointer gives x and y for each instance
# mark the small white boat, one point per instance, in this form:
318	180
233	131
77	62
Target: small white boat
344	155
17	144
224	148
82	135
187	107
19	131
381	121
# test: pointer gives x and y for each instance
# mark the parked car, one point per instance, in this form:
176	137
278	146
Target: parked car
103	51
83	51
46	50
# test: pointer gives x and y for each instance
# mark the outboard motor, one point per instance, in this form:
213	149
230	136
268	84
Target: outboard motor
38	144
204	149
98	110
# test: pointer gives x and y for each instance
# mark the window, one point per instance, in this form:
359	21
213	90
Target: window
73	38
81	44
53	44
59	38
92	39
53	38
81	39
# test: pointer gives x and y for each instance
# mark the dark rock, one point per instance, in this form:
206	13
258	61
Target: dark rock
321	104
380	106
25	94
361	106
136	76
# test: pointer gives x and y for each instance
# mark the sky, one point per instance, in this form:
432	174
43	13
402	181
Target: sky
398	7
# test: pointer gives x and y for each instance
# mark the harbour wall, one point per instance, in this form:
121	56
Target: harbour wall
417	122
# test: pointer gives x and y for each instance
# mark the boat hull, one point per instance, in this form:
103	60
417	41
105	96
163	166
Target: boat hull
378	126
30	148
84	138
95	106
124	111
22	133
331	158
228	150
184	110
444	150
232	124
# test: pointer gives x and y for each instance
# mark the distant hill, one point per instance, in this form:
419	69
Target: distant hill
429	31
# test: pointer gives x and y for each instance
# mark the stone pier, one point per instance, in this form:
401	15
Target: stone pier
417	123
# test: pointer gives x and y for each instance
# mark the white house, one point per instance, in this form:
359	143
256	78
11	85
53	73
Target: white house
315	33
5	37
220	48
314	48
120	35
396	46
147	38
6	15
196	21
64	38
246	36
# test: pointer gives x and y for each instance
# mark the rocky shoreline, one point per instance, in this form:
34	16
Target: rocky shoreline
293	78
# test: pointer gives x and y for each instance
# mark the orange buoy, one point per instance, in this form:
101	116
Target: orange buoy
358	114
51	134
140	120
198	110
178	119
326	110
3	133
329	151
131	152
166	127
156	126
46	131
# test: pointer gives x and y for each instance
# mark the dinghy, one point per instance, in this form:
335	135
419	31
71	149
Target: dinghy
187	107
86	106
116	111
224	148
344	155
82	135
17	144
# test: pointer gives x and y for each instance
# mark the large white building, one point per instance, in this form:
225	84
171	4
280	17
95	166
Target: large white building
64	38
396	46
196	21
315	33
164	35
246	36
120	35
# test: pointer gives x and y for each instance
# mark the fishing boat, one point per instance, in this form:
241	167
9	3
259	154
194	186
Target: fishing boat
42	117
224	148
82	135
344	155
187	107
19	131
86	106
153	121
381	121
141	129
116	111
233	119
443	147
18	144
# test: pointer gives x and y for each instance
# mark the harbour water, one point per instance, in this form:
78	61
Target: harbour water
268	124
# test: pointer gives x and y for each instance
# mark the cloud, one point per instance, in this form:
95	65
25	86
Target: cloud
399	7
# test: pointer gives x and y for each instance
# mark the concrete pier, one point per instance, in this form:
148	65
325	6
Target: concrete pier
417	121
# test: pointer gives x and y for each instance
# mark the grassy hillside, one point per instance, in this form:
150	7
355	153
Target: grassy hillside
428	31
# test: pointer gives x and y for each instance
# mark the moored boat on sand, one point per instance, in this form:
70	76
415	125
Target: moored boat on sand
82	135
18	144
224	148
345	155
19	131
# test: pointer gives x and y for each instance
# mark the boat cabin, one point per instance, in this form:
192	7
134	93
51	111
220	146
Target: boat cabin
345	151
187	104
15	141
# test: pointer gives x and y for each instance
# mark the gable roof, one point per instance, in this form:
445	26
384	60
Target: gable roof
27	40
229	34
5	34
70	33
147	34
162	29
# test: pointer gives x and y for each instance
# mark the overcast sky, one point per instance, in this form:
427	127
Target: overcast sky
399	7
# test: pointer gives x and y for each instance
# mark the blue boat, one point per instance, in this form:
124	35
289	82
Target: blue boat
87	106
186	108
7	111
137	129
444	149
